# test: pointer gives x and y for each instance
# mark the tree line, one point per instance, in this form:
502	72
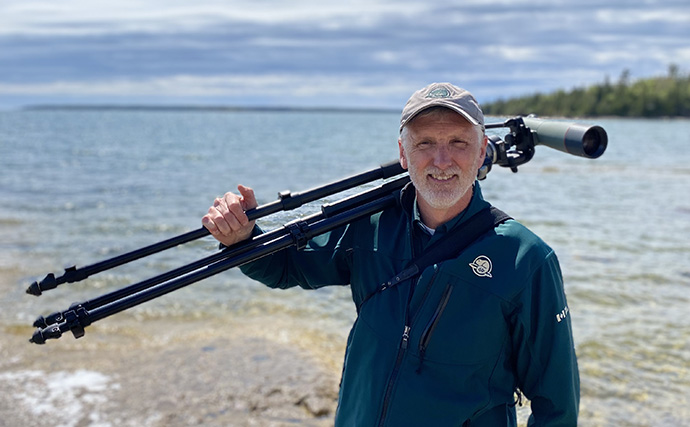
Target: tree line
667	96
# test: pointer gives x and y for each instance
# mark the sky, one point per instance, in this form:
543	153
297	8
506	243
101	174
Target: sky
340	54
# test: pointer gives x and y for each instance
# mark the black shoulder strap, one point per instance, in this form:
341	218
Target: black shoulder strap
457	239
453	243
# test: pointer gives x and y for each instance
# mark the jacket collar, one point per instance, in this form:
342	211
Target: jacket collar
408	201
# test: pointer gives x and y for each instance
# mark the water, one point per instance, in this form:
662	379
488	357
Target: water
79	187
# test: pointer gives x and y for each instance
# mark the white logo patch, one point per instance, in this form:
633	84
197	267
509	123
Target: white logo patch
563	314
482	266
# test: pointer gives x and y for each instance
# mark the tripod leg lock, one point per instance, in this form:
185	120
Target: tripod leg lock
289	201
300	232
75	320
51	319
72	274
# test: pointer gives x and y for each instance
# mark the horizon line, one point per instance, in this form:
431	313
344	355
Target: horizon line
219	108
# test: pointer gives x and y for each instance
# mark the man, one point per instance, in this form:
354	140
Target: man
452	345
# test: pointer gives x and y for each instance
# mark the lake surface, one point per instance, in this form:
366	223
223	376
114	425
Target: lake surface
77	187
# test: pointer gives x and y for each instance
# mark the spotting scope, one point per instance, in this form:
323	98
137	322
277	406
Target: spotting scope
517	147
572	138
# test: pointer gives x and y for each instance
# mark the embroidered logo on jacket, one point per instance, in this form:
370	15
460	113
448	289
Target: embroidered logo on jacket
563	314
482	266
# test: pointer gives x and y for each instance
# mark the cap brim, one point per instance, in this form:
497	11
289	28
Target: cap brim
440	103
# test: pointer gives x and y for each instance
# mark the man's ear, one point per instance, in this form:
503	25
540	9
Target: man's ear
482	151
403	160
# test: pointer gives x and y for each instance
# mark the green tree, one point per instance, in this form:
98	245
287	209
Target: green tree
667	96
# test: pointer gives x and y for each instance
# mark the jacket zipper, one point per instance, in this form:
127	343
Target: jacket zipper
429	330
402	349
394	374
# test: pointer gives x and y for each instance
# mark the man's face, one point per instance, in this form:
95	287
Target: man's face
442	152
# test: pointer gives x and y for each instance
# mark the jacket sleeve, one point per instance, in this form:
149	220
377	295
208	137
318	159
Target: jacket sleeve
545	359
323	262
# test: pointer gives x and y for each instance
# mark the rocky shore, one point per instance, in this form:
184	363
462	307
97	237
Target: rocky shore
149	373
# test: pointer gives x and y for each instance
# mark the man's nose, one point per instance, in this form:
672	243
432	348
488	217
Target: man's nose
442	157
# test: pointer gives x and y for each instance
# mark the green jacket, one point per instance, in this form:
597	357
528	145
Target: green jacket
451	346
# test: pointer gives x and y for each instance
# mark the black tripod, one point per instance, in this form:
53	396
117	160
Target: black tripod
515	150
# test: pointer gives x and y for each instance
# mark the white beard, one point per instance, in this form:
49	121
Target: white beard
442	195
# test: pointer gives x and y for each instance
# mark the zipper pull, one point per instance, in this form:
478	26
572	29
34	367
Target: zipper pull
405	337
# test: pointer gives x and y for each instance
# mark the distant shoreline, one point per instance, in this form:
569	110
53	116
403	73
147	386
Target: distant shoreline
284	109
203	108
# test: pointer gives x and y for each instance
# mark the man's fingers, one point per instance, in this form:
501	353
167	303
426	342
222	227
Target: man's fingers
233	211
215	221
207	222
248	198
226	220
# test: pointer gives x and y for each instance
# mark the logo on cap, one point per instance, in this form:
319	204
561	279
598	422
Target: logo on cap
482	266
439	92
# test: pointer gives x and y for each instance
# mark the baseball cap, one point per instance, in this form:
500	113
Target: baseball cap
443	95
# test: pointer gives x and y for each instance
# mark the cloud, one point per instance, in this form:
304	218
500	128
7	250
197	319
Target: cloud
262	90
163	49
660	15
512	53
80	17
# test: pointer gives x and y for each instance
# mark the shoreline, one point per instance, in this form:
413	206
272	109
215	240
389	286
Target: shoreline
256	371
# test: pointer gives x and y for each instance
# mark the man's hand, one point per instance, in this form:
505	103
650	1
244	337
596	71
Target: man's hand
226	219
